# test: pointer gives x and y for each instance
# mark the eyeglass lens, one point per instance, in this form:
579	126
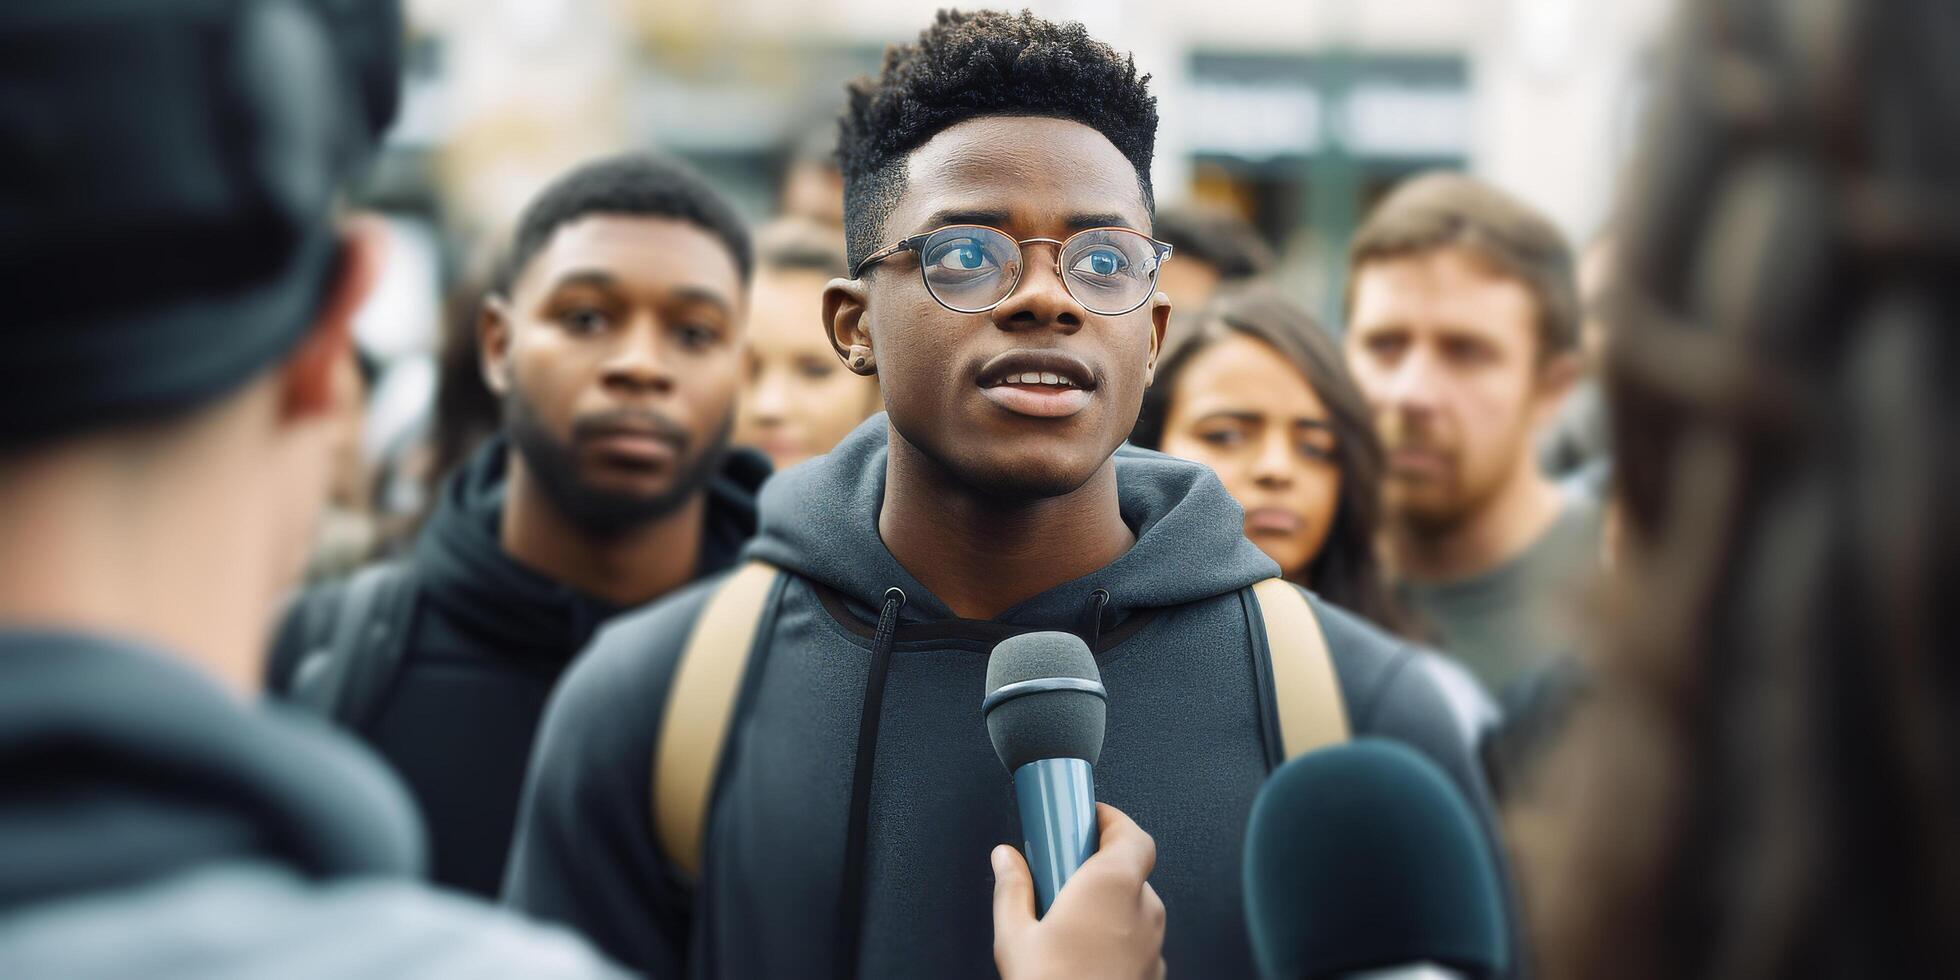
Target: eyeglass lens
970	268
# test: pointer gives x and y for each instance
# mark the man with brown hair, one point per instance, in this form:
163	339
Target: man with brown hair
1463	331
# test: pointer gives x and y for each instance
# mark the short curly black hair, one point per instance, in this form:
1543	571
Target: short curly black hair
632	184
984	63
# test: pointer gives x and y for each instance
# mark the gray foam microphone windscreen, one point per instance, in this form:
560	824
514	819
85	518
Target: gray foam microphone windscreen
1048	724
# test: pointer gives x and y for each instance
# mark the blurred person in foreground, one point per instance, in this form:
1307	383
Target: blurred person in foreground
1217	251
998	204
798	400
169	437
1767	779
1259	393
613	339
1463	332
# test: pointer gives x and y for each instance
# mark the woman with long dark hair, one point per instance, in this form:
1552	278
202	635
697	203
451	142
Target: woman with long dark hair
1767	780
1259	393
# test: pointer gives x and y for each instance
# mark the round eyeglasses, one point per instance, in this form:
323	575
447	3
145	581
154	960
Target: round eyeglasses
974	268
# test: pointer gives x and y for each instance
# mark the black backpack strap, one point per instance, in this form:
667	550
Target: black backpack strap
357	637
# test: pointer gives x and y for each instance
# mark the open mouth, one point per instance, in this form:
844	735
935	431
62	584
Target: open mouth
1038	384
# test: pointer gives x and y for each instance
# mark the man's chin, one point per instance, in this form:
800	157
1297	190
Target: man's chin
625	487
1011	467
1026	477
604	512
1425	506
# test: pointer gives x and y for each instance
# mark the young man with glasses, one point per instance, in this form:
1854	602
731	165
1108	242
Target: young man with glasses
998	218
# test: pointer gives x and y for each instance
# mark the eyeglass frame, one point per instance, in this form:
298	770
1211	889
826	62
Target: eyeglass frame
916	243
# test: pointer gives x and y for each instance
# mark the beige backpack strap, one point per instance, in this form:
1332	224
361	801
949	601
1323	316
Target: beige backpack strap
699	704
1311	713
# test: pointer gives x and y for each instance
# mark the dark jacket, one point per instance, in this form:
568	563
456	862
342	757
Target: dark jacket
487	640
1186	749
154	825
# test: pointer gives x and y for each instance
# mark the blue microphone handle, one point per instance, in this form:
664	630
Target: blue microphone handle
1057	799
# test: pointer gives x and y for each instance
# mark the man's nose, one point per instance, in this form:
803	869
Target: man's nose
638	362
1415	383
1040	299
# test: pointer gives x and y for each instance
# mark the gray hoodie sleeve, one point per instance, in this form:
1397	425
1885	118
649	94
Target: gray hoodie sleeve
585	854
253	919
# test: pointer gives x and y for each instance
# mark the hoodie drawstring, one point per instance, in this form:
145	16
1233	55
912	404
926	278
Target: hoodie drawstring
1090	626
850	909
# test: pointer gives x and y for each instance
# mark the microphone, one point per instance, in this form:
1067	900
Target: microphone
1045	710
1363	861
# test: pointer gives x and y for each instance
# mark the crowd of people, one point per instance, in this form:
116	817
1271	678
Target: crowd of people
1640	545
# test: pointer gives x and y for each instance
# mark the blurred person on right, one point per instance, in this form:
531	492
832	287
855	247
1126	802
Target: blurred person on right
1763	784
180	299
1463	332
797	400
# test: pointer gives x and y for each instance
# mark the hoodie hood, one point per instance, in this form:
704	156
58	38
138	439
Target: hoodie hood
125	765
462	566
820	520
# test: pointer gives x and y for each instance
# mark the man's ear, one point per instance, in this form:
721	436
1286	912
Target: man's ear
1556	378
306	385
493	328
1160	322
844	324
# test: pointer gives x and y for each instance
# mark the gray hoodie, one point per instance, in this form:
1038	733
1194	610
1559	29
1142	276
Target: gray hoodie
153	826
1189	742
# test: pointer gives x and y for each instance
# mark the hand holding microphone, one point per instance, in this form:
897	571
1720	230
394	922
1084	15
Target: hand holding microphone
1106	922
1098	916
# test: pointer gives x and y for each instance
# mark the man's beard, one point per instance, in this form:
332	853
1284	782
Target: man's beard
1439	506
599	512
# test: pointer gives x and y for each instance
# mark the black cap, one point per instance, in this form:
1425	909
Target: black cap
168	173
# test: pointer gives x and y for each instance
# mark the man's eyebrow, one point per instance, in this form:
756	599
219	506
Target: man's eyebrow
997	218
602	279
1105	219
702	294
586	277
965	216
